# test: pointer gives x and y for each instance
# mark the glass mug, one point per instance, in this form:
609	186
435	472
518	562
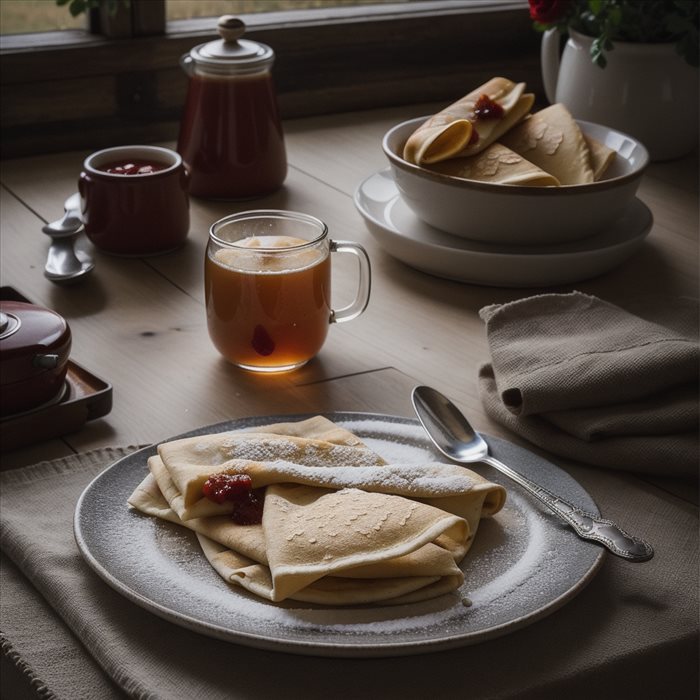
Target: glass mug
267	283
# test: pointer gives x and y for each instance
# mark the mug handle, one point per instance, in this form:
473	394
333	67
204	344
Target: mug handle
356	307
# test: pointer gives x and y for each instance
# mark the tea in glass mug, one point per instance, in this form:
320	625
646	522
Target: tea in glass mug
268	288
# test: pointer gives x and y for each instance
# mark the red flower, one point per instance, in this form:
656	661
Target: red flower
548	11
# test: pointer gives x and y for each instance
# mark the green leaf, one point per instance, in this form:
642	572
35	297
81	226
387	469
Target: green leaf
595	6
76	7
615	16
646	21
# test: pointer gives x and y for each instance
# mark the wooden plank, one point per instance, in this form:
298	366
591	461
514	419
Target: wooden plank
42	104
303	51
329	156
145	106
160	324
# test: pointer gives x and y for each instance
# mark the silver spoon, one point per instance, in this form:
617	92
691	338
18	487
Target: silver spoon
71	221
452	434
64	263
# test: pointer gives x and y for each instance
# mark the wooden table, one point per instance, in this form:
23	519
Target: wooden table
140	323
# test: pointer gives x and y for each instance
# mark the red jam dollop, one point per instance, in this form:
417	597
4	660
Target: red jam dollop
238	489
250	510
133	167
486	108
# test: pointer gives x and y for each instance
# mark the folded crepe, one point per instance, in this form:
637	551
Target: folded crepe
498	165
602	156
553	141
339	525
459	130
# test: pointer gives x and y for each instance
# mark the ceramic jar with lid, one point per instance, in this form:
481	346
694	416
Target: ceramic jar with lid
34	349
231	137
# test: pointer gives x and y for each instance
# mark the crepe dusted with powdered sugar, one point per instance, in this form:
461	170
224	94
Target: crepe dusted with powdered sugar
498	165
339	525
553	141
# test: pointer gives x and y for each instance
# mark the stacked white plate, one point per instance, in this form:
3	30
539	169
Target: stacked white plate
409	239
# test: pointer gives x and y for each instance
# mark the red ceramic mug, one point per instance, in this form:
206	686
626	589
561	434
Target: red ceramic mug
134	200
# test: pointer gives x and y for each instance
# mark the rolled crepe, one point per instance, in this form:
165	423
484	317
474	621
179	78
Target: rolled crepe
552	140
497	165
602	157
340	526
458	131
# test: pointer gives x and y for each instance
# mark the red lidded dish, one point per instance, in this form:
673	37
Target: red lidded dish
35	346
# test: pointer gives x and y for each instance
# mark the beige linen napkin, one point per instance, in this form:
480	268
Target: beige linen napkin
588	380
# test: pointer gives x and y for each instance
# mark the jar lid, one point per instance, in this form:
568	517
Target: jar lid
231	54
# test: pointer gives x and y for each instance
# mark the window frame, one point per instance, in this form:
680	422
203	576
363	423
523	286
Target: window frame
72	89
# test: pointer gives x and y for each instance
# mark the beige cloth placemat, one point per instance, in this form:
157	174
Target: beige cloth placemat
630	631
591	381
40	656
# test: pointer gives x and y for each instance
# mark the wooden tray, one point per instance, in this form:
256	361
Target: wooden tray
85	398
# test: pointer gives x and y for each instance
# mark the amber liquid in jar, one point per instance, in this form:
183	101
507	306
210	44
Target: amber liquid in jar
231	138
268	312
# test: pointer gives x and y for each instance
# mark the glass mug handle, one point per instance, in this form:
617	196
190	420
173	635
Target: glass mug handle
356	307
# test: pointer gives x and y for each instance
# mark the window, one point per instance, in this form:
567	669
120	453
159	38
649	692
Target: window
23	16
71	89
190	9
31	16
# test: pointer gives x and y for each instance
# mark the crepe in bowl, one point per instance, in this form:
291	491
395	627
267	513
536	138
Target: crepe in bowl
339	525
463	129
496	165
602	157
553	141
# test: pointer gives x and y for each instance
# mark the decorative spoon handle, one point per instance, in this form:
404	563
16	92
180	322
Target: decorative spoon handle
586	525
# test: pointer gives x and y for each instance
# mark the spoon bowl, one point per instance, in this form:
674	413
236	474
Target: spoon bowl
70	223
64	263
453	435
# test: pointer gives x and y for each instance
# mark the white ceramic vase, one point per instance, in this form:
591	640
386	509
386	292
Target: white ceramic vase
646	90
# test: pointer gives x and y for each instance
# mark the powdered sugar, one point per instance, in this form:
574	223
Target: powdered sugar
307	452
422	480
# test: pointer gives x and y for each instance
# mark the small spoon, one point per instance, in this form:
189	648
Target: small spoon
71	221
64	263
452	434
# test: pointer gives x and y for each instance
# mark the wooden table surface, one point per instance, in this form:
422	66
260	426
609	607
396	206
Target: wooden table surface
140	324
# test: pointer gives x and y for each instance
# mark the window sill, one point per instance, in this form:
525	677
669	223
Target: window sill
82	91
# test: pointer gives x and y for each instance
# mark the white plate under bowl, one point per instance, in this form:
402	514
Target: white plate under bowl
409	239
524	563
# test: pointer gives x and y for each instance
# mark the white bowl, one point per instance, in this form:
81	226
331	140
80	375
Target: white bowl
513	213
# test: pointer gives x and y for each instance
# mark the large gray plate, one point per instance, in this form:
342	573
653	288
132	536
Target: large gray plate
523	565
